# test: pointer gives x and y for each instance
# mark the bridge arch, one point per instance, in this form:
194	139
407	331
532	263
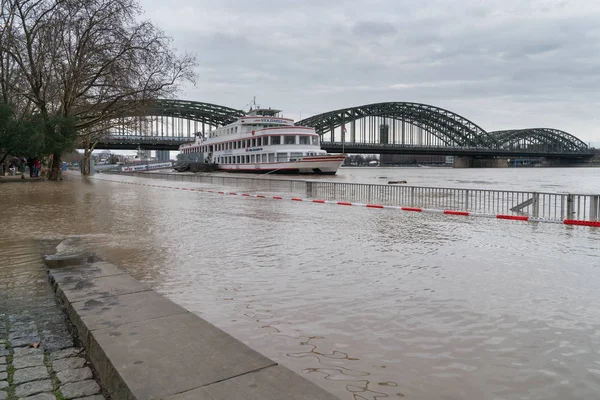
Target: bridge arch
547	139
208	113
451	128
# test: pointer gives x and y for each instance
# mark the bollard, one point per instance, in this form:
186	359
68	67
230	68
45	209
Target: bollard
570	201
594	208
535	205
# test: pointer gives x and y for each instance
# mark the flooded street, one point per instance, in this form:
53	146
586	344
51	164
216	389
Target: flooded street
369	304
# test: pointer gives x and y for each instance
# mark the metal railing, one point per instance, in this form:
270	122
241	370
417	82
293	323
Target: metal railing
552	206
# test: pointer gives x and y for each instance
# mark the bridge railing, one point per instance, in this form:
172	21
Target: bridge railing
544	205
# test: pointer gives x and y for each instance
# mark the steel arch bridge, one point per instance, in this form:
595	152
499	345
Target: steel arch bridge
207	113
542	139
446	127
379	128
165	123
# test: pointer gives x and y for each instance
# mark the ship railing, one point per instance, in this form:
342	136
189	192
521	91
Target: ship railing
544	205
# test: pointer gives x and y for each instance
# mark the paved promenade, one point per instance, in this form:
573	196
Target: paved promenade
39	358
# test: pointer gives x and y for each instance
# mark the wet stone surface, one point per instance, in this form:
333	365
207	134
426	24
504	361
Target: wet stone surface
35	335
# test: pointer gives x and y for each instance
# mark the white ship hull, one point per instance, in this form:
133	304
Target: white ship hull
327	165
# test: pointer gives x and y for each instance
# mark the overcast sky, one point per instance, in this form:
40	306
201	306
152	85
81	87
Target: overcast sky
503	64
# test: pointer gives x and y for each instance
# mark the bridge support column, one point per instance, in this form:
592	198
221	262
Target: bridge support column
470	162
163	155
462	162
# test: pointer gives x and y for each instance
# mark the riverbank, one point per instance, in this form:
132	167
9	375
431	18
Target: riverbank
144	346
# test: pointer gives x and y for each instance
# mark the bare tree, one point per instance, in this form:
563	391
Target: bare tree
87	60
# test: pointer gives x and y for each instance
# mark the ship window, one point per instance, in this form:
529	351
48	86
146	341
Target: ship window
247	159
264	158
271	157
289	139
253	142
248	143
253	158
295	156
243	144
237	159
275	140
236	129
265	140
315	140
282	157
304	139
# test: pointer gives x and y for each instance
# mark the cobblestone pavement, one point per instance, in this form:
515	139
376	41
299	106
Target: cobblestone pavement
39	359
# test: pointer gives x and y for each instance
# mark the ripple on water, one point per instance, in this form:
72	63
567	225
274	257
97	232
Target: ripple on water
367	303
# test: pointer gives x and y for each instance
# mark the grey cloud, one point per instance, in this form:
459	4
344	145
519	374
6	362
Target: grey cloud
312	56
373	28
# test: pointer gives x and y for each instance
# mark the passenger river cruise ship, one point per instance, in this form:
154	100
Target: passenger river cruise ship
263	141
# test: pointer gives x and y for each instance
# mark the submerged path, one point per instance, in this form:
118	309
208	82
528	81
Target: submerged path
39	358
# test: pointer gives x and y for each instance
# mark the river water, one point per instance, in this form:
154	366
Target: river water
369	304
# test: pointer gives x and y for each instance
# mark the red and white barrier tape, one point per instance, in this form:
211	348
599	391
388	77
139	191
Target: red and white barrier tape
523	218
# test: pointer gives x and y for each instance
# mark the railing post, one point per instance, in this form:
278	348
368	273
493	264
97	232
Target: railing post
570	201
466	199
594	206
536	204
412	196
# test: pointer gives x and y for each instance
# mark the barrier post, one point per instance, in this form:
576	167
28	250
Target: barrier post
570	201
594	208
536	204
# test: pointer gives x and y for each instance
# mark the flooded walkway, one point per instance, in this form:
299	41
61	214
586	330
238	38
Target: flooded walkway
368	304
38	356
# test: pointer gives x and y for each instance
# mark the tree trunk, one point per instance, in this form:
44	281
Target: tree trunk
85	162
55	173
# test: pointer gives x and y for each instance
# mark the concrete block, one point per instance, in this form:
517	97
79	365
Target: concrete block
83	289
272	383
92	270
164	356
107	312
60	261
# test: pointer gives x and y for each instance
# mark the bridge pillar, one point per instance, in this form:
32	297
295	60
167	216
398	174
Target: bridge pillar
163	155
471	162
462	162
